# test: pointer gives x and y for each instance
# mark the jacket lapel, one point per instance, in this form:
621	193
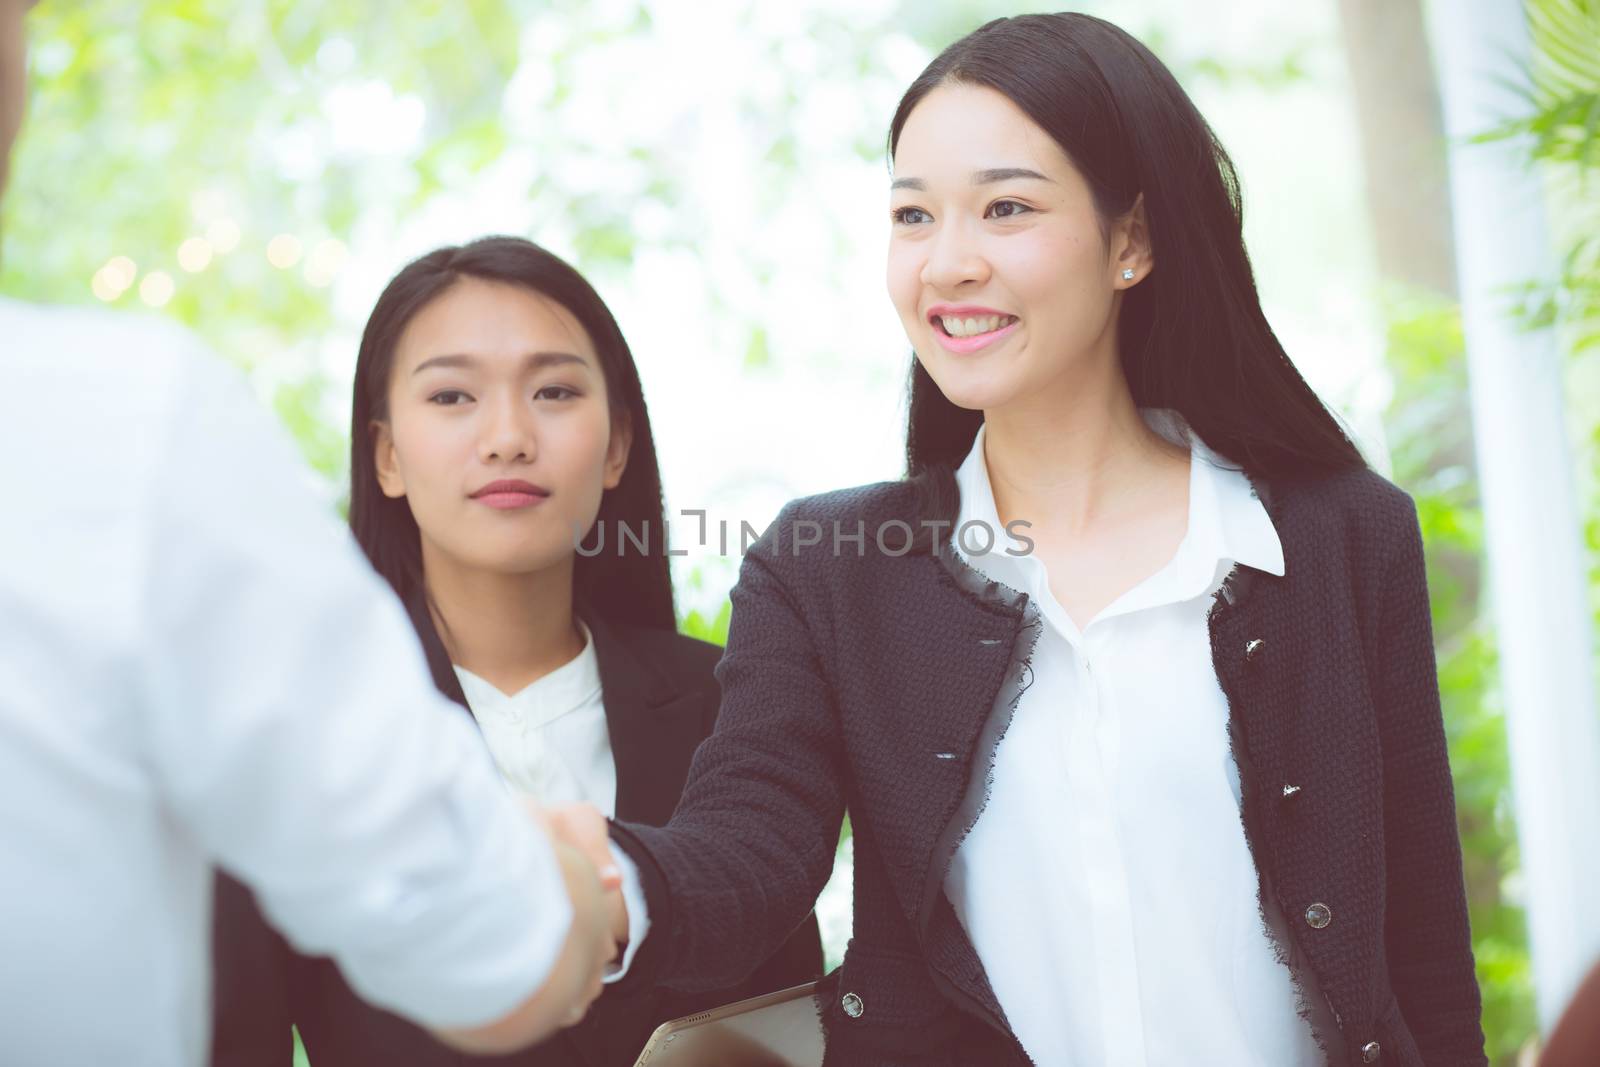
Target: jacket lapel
1286	733
654	725
955	658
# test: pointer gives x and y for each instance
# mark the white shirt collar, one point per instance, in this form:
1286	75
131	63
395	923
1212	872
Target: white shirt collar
1227	521
570	686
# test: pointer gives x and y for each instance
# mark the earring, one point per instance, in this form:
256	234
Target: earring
1127	274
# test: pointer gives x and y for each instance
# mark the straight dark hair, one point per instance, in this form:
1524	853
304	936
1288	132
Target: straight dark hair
1191	336
629	585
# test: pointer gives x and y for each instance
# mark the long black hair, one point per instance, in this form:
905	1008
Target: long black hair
624	585
1191	336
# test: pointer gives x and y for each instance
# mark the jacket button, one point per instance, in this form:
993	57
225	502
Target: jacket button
853	1006
1318	916
1369	1052
1290	792
1252	650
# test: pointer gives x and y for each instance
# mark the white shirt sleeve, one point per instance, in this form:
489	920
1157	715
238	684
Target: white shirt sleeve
638	914
296	733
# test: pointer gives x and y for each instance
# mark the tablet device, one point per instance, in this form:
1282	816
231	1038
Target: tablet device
779	1029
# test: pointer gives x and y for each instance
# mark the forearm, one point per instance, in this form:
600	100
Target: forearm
717	907
752	842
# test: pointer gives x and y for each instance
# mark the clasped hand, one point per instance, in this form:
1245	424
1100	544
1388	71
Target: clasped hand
582	841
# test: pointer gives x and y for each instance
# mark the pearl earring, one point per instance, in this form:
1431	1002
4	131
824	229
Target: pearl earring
1127	274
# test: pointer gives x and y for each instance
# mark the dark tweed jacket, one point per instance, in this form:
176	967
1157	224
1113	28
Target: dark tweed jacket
859	680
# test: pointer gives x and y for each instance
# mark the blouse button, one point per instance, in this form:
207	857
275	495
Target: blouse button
1290	792
1369	1052
1252	650
853	1006
1318	916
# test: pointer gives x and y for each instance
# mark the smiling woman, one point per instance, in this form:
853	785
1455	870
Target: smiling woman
1172	786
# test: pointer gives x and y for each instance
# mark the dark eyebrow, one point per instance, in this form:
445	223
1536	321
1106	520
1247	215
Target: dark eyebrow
1005	174
979	177
533	361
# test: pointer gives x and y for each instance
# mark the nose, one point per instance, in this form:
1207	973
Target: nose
954	259
508	432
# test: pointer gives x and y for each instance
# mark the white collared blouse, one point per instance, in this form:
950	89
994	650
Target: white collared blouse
1107	885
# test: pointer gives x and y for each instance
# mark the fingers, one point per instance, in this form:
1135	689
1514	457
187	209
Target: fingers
582	827
591	993
617	913
581	831
591	934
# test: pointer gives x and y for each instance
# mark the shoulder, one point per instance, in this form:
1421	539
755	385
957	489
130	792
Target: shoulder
135	378
100	343
1363	489
812	525
1357	513
840	556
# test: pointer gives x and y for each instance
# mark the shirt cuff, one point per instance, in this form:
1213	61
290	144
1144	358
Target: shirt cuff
638	916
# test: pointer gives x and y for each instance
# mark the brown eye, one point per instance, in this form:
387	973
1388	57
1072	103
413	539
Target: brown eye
449	398
1005	209
556	392
909	216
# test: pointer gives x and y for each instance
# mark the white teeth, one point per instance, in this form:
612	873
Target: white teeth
957	327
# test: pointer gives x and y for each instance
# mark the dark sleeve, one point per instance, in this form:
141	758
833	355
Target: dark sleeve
1427	933
739	867
797	961
251	1014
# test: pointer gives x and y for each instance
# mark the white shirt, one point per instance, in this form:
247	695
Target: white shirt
197	665
1107	886
551	741
550	738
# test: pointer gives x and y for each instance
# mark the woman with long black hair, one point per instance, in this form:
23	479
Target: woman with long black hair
499	446
1128	686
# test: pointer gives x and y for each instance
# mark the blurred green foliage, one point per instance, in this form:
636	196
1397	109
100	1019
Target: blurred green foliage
1560	131
1430	448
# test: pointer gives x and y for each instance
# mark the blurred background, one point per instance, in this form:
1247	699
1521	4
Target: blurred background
258	169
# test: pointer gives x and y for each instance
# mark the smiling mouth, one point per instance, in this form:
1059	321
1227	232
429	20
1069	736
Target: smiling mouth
973	326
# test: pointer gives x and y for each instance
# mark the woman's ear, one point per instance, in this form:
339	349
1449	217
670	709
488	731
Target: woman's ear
618	449
386	462
1130	247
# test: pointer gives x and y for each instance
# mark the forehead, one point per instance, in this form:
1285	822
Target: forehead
492	320
957	129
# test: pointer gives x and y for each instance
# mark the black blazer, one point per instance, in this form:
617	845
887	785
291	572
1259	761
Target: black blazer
661	701
859	679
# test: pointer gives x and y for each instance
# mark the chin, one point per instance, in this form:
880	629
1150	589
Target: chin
518	563
971	388
514	556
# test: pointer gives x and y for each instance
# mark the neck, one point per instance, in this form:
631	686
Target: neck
508	629
1073	454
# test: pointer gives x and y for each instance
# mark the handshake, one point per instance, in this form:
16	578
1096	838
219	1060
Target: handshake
594	882
594	943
